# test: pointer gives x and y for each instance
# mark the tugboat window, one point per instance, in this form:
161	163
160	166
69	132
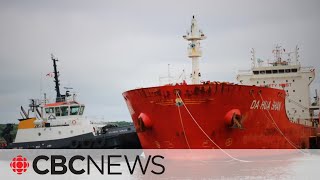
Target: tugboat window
64	111
74	110
58	111
81	110
49	110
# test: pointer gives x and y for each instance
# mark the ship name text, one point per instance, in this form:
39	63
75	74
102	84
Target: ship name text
266	105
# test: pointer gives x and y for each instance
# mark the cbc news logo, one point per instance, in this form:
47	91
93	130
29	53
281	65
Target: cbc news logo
59	164
19	164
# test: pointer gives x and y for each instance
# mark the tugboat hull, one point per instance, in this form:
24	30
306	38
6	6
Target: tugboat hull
121	137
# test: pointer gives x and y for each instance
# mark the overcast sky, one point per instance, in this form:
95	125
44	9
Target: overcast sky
107	47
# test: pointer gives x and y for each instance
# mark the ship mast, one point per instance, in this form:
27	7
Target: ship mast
56	79
194	36
278	51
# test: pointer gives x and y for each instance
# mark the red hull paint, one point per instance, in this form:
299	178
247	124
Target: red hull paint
209	104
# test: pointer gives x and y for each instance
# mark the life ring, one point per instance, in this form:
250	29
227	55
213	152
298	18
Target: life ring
86	144
74	122
74	144
99	143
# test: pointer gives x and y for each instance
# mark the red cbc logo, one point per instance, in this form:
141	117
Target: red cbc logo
19	164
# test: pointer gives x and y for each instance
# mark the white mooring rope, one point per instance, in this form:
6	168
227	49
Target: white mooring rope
236	159
184	132
277	127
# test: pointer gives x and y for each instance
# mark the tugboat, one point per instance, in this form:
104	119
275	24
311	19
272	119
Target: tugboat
61	125
270	108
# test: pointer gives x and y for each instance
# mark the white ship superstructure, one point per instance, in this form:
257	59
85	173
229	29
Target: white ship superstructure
289	75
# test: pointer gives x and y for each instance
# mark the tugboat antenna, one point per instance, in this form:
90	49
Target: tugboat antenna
56	79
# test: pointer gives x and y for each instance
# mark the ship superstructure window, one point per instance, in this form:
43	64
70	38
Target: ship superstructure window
58	111
49	110
64	110
81	110
275	71
74	110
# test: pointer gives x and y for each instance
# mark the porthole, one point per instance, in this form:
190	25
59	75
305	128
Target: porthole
39	134
286	80
257	82
292	80
300	100
294	90
274	81
59	132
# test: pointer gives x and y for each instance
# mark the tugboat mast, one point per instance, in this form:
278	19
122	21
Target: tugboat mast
194	36
59	97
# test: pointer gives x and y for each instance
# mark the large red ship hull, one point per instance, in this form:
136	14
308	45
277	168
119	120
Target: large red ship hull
202	118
